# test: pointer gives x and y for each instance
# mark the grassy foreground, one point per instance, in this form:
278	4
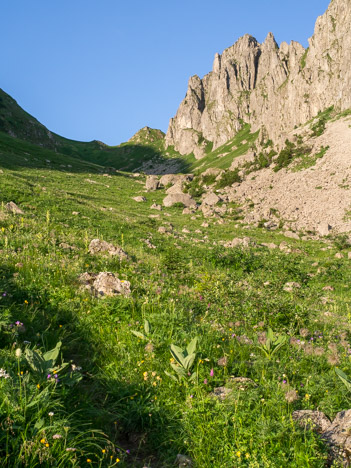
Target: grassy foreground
100	394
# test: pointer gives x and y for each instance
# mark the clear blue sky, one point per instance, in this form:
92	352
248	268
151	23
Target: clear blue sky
102	69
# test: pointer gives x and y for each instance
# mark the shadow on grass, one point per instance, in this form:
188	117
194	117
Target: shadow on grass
105	403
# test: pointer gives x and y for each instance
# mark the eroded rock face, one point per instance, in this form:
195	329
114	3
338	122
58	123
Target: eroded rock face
97	246
258	82
104	284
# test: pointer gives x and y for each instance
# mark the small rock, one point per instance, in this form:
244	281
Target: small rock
139	199
13	208
211	199
291	235
99	246
289	287
154	206
104	284
152	183
324	229
312	419
75	213
182	198
270	245
339	255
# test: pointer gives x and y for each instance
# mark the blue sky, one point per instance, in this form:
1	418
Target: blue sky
102	69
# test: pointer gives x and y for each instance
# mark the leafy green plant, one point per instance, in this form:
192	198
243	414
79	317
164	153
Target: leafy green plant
229	178
344	378
146	334
272	344
45	365
184	360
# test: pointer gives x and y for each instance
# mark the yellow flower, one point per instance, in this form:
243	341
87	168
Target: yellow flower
154	384
42	441
307	396
145	374
47	445
238	454
117	460
26	302
247	455
88	460
103	451
38	385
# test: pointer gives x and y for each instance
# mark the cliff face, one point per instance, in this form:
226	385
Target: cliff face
270	87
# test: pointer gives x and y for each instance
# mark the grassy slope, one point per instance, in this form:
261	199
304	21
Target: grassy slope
184	288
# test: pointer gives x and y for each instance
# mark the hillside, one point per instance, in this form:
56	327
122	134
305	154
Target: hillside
184	299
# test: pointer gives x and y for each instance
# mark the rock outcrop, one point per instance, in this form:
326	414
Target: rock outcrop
254	83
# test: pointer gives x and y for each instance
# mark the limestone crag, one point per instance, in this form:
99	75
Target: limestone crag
256	83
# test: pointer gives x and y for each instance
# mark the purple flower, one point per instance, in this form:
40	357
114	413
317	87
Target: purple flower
4	294
284	381
205	381
211	373
55	376
49	376
128	451
191	396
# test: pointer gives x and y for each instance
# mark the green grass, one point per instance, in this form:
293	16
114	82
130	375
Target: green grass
125	406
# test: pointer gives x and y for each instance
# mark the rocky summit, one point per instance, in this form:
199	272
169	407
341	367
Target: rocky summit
270	87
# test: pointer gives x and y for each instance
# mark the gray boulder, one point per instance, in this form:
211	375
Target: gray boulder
182	198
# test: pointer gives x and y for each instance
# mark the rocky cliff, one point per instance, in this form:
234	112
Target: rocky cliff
273	88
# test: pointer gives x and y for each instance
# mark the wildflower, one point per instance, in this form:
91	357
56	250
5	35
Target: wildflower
42	441
26	302
4	374
333	359
205	381
70	449
238	454
128	452
51	414
88	460
4	294
47	445
49	376
318	351
291	396
149	348
222	361
103	451
304	332
211	373
307	396
18	353
247	455
57	436
284	381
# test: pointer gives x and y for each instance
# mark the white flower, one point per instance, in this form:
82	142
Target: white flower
18	353
51	414
4	374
